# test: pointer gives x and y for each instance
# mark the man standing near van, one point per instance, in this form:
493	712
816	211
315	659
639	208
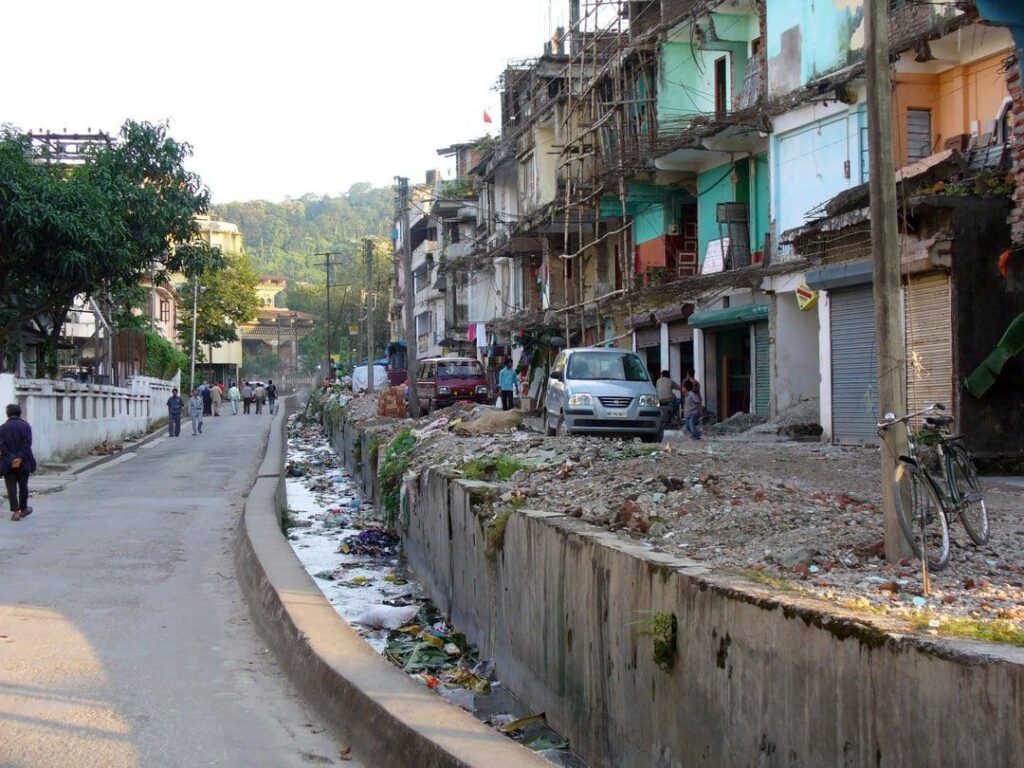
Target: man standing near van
507	384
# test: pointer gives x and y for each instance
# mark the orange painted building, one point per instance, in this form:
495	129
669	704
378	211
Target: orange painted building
954	87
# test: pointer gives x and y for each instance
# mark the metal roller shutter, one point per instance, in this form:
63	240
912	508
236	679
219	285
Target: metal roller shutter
679	332
929	336
648	337
854	368
762	370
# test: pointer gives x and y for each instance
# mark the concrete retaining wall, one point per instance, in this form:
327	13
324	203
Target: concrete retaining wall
68	418
388	718
757	681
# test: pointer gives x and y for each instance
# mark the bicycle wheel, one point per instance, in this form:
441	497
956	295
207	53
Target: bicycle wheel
966	489
921	516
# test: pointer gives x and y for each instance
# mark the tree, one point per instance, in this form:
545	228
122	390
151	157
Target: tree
227	299
91	230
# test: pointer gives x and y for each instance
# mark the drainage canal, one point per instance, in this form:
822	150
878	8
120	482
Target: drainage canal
358	565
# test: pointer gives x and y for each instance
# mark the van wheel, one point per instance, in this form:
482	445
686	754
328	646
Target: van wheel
655	438
430	406
561	430
548	429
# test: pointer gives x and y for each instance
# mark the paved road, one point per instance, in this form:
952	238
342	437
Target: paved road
124	638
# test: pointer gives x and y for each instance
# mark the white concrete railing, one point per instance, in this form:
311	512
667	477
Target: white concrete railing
68	418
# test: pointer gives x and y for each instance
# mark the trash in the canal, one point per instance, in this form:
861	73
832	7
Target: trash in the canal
522	722
388	617
325	575
373	541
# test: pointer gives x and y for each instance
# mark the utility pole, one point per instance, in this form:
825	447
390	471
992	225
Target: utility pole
195	309
327	265
368	255
889	345
410	321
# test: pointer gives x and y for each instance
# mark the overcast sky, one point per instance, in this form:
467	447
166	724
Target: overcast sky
277	98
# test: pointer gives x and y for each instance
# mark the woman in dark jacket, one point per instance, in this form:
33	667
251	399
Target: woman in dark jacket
16	460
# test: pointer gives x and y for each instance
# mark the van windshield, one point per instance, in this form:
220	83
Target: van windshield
608	366
464	369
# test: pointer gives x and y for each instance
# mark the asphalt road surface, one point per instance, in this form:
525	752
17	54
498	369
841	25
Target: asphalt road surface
124	637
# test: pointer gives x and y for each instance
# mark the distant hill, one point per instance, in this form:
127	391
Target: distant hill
280	238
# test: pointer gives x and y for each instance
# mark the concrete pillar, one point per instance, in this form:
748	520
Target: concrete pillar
698	359
6	392
664	347
825	365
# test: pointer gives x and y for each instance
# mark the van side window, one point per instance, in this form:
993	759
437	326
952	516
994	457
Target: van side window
559	364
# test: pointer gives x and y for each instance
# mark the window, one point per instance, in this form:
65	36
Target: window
919	134
459	369
165	311
721	87
607	366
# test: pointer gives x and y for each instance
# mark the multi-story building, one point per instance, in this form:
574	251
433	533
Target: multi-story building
689	178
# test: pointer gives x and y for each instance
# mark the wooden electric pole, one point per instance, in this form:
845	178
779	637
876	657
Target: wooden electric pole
368	255
410	320
885	247
329	372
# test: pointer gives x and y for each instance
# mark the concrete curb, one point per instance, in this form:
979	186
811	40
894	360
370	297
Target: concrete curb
388	718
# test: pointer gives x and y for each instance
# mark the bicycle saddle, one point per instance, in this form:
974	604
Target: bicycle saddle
938	421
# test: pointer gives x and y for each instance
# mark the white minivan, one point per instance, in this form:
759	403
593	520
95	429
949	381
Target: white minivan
603	391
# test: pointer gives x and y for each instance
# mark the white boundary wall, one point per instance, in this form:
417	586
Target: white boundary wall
69	418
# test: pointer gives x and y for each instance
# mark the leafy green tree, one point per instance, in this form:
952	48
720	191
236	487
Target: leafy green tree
227	299
93	229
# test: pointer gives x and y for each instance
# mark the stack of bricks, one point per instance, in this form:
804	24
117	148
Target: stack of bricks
1014	84
391	403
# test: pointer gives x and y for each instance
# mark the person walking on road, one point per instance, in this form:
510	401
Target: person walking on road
234	395
271	395
691	409
204	392
216	395
16	460
507	380
246	397
195	410
259	396
175	405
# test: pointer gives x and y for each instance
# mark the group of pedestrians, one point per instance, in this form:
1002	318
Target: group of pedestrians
207	399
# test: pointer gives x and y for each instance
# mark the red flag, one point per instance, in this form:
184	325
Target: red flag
487	118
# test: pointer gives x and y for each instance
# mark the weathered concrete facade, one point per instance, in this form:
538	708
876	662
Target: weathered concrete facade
758	679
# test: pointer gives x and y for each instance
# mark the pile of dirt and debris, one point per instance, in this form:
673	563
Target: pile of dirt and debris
106	448
738	422
800	421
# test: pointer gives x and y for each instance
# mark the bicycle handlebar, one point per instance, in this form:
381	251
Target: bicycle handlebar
886	423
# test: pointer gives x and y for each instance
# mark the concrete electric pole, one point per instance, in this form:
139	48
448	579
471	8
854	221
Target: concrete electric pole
410	320
890	348
368	255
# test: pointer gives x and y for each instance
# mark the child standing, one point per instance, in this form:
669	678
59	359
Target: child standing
691	409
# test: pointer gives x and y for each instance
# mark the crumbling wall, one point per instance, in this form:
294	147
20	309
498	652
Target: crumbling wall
571	615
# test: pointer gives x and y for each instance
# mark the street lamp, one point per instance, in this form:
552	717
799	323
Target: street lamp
195	310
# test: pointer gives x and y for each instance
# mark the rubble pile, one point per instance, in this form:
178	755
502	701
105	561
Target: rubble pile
801	516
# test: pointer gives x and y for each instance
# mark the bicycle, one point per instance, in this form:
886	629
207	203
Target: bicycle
926	505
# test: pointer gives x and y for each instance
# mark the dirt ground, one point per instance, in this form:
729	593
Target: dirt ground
797	516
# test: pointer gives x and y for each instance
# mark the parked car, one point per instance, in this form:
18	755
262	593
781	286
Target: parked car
441	381
602	391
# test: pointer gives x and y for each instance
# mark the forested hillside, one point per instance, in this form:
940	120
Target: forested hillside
280	238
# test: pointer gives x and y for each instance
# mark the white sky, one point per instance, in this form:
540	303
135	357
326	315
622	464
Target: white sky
277	98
